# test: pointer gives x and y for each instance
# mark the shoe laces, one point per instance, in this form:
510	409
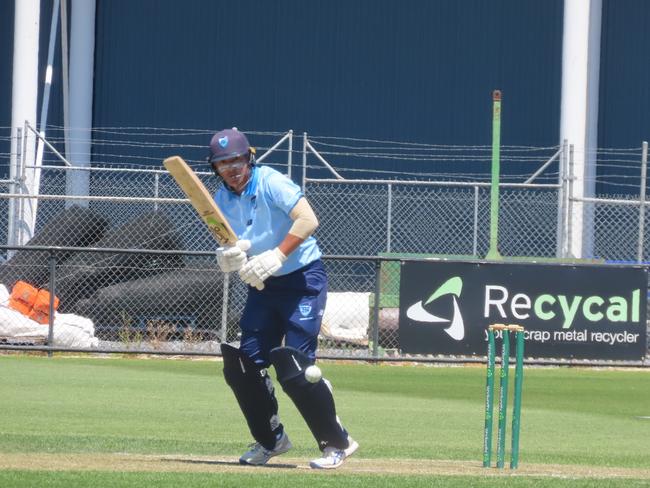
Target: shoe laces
333	452
256	446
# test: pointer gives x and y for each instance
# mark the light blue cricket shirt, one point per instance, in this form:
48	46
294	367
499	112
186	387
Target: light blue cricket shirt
261	215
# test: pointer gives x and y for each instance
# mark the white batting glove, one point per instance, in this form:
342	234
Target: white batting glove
260	267
232	258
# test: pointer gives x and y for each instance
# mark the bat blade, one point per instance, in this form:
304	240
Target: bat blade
201	200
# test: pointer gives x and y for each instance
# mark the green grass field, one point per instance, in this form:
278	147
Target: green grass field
74	422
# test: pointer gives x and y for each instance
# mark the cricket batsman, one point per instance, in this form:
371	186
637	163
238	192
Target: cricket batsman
286	301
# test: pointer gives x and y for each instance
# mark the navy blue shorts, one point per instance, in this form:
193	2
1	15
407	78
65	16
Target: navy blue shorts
290	307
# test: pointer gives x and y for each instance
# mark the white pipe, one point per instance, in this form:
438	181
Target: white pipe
32	205
579	107
24	96
64	73
82	55
591	139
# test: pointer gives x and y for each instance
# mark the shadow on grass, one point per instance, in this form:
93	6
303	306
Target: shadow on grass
228	463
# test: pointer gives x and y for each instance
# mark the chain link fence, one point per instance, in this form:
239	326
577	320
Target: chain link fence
134	267
372	219
174	302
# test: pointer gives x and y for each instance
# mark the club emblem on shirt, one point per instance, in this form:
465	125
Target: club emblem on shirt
305	309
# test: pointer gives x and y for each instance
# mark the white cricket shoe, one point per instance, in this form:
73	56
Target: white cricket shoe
258	455
333	457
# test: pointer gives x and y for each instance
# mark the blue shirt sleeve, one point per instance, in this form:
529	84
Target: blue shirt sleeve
283	191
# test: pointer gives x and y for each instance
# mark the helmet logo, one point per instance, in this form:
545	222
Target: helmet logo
223	141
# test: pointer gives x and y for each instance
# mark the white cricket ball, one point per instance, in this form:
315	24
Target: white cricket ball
313	374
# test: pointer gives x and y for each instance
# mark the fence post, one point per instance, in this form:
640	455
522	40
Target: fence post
561	209
290	153
156	190
493	251
304	162
13	188
51	260
22	189
475	230
375	310
389	222
570	220
642	189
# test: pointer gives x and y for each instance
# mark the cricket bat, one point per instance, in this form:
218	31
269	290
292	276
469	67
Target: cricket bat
201	200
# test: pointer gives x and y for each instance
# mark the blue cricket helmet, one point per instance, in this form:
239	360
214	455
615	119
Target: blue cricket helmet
228	143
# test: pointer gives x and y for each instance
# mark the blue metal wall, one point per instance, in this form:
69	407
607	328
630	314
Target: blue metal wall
6	60
55	106
624	102
415	70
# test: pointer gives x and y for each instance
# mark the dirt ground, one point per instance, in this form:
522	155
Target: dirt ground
216	464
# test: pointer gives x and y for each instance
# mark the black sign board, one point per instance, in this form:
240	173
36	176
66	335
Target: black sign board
568	311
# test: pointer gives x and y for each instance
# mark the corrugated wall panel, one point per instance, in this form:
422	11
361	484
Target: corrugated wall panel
6	62
414	70
624	103
55	105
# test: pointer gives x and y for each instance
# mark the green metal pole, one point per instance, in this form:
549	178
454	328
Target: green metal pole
503	399
493	252
375	310
516	409
489	401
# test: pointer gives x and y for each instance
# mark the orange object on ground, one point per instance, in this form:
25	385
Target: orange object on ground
42	302
22	298
19	306
41	310
31	301
40	317
24	292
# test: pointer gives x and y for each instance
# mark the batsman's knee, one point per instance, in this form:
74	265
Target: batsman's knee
237	365
313	400
290	365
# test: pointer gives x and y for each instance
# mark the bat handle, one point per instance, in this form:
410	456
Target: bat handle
245	245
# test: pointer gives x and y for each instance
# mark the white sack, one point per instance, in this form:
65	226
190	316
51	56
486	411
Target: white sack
347	317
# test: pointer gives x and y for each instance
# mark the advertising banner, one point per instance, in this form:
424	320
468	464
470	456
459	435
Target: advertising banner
568	311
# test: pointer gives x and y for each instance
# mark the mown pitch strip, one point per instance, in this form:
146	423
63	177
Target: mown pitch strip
181	463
